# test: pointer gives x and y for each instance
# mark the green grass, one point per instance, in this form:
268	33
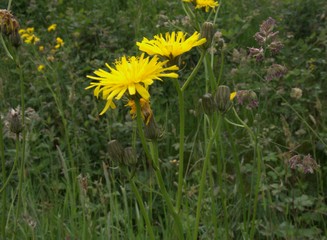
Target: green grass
209	176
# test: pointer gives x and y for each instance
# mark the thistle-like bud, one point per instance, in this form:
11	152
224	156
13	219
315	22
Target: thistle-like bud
130	157
15	121
207	32
115	151
151	130
208	104
222	98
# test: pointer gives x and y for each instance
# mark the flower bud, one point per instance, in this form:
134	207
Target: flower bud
130	157
222	98
208	104
208	33
115	151
151	130
15	122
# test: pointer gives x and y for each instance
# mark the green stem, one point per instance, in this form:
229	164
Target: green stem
4	195
203	178
194	72
181	145
143	211
22	149
155	162
9	5
173	212
258	177
5	47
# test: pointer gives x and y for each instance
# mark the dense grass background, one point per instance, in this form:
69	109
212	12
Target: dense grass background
70	188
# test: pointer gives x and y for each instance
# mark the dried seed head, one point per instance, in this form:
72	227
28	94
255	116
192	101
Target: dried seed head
8	22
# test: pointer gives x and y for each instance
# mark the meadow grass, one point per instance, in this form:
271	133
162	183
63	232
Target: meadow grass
234	148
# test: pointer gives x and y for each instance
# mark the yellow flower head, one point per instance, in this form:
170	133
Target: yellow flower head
207	4
130	75
40	68
52	27
146	110
59	42
170	46
28	36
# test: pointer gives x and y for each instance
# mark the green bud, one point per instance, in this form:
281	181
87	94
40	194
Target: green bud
207	32
130	157
115	151
208	104
151	130
222	98
15	121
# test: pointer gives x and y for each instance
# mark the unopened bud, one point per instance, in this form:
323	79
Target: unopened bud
115	151
130	157
222	98
208	33
151	130
15	122
208	104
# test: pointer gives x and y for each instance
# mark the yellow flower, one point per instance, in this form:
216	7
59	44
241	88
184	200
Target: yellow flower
207	4
232	95
40	68
59	42
41	48
145	109
28	35
170	46
52	27
131	76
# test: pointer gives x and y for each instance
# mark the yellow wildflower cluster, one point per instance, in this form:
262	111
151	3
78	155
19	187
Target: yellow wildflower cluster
28	36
